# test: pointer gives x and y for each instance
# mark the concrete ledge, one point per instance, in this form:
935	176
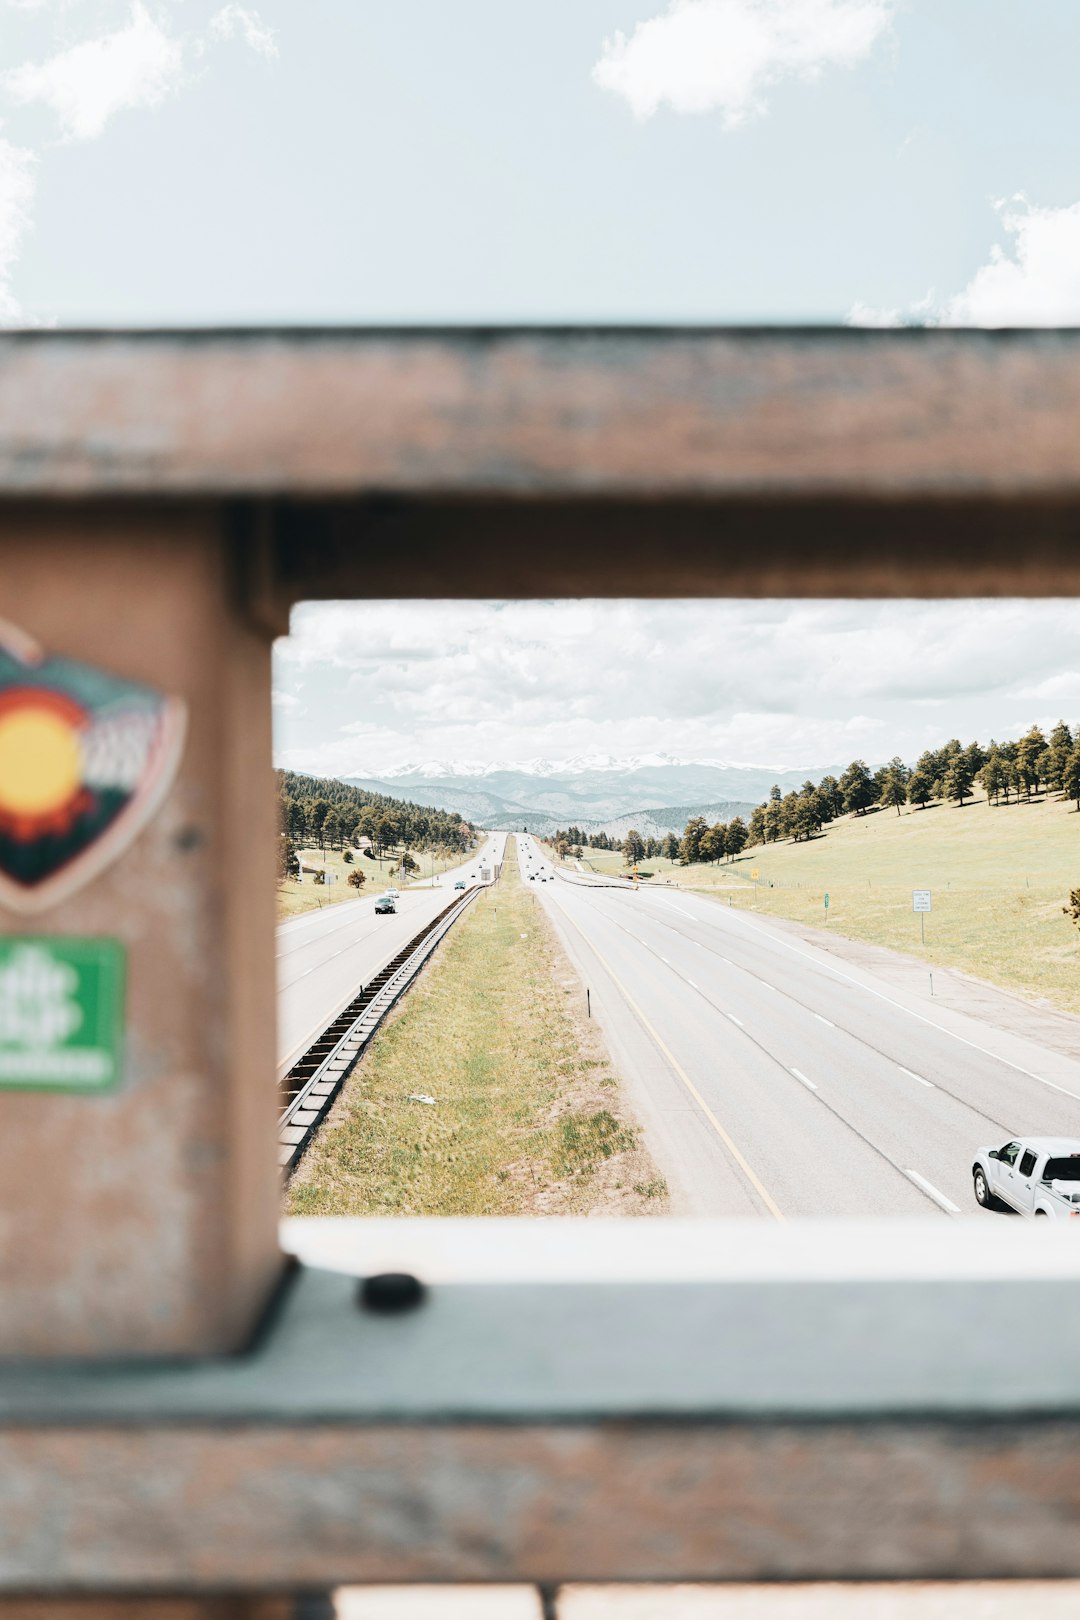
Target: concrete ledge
779	1416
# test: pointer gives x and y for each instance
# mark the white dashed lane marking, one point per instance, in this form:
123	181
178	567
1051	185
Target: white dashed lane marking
932	1192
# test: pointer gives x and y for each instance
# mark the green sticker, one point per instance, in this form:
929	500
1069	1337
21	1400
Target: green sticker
61	1013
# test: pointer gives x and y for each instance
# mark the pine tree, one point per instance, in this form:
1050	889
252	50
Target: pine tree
690	847
1070	776
920	788
857	786
1029	752
829	788
633	848
994	776
735	841
1061	746
800	825
957	783
892	789
713	843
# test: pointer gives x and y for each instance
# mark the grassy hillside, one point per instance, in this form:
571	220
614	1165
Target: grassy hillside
999	877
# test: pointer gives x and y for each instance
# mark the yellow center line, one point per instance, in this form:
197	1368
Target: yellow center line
751	1176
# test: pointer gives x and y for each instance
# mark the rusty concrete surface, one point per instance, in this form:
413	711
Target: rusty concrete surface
212	1509
623	411
148	1608
144	1221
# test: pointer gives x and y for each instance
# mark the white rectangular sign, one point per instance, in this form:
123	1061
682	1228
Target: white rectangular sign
920	899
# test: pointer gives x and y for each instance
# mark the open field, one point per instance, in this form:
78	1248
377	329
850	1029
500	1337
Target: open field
528	1116
999	876
293	898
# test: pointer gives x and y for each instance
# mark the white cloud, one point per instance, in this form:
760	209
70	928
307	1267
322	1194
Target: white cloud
1037	284
789	684
861	314
138	65
1035	281
232	19
16	195
1064	688
701	55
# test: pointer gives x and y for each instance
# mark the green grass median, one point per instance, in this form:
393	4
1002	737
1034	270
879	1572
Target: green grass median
528	1115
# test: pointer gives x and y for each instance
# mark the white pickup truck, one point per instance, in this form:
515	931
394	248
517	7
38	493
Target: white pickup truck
1035	1175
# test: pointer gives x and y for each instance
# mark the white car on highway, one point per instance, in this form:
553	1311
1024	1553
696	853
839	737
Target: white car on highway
1034	1175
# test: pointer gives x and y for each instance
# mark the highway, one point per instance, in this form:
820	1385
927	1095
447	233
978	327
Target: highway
323	957
773	1080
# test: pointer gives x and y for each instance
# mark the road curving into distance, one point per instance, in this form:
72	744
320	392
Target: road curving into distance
323	957
773	1080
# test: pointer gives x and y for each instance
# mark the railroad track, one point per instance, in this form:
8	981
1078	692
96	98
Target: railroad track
315	1079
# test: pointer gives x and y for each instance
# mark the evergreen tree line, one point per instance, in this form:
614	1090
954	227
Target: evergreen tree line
319	811
1007	772
572	841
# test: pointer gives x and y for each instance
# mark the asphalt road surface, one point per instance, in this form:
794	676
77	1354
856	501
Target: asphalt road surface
773	1080
323	957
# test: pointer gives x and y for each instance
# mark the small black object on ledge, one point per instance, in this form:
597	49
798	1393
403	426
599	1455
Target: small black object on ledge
391	1291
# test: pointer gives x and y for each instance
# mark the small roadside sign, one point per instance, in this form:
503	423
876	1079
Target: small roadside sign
920	899
61	1013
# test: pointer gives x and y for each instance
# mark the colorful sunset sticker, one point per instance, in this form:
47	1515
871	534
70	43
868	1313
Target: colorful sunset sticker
85	760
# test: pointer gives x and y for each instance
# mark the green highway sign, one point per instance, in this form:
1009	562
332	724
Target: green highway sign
826	902
61	1013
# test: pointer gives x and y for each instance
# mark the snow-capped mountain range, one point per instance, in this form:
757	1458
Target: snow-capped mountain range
577	766
593	791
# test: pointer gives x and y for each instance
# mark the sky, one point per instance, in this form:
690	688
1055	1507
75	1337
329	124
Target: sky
878	162
188	161
363	688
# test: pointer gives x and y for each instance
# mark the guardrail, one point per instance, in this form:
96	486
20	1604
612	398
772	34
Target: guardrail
315	1079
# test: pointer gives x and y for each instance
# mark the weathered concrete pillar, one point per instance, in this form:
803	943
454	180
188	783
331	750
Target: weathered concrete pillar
139	1220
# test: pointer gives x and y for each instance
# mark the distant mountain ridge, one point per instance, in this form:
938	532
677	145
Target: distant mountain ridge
594	792
576	765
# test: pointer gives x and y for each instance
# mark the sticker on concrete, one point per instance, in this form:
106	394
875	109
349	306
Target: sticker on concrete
85	760
61	1014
